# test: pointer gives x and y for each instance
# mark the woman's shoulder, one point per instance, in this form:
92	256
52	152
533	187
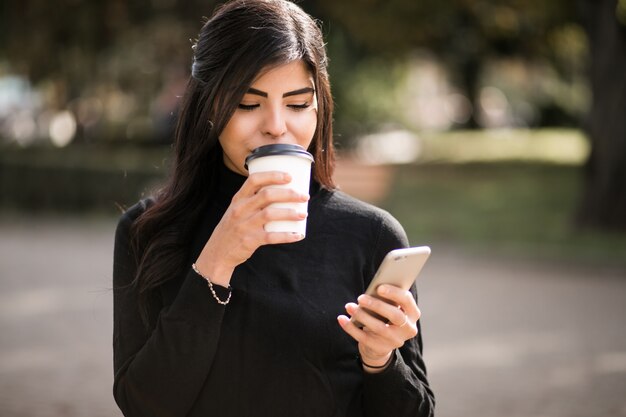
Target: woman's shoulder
342	206
338	201
364	225
139	208
129	216
123	258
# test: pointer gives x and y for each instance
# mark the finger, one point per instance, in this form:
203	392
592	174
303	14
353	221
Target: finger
242	209
402	298
269	195
274	238
370	322
258	180
270	214
390	312
251	241
367	340
357	334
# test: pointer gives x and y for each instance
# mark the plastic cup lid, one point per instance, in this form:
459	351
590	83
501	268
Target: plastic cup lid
278	149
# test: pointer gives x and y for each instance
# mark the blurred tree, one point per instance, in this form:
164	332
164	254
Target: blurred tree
604	199
79	44
464	34
64	37
119	56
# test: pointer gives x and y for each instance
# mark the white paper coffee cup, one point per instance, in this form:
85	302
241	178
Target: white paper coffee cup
296	161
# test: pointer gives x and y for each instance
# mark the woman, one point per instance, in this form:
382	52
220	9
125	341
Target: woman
256	326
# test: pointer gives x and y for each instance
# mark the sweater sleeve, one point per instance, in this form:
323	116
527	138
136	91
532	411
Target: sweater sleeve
159	371
402	388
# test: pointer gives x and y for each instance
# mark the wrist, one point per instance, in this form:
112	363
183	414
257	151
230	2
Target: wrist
220	275
374	365
211	287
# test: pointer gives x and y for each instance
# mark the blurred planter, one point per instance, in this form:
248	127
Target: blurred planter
85	178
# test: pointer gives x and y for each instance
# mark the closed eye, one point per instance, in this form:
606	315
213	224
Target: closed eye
299	106
248	107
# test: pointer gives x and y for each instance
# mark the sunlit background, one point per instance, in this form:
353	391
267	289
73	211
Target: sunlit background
493	130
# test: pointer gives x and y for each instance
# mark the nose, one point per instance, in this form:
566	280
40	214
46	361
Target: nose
274	123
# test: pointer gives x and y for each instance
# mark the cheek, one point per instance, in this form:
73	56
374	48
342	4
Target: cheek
237	131
306	126
232	140
237	127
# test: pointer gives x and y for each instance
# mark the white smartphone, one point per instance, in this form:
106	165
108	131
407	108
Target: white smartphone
400	267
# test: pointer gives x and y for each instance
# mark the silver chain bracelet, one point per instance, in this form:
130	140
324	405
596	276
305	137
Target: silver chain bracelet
230	290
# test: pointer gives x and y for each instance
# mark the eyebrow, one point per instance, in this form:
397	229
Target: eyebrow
287	94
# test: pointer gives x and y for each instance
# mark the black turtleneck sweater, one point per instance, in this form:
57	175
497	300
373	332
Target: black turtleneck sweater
276	349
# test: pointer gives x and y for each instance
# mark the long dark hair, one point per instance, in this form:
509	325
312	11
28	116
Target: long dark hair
242	38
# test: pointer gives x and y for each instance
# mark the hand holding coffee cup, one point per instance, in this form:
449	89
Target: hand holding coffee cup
242	229
294	160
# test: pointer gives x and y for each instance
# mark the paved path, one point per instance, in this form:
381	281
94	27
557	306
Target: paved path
503	338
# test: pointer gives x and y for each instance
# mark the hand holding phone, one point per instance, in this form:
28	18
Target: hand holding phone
400	267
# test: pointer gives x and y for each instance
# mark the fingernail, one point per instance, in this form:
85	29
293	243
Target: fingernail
383	290
302	215
364	300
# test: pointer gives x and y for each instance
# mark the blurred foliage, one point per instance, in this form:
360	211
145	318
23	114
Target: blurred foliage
74	38
621	12
465	27
464	35
514	209
118	66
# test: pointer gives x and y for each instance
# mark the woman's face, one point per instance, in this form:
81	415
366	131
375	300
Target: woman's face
279	107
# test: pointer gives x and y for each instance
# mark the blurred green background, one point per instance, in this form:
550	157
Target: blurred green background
480	112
